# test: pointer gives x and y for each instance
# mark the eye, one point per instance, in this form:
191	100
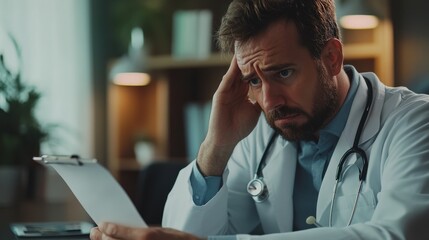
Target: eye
285	73
254	82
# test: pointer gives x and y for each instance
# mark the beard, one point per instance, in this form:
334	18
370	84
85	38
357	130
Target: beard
324	107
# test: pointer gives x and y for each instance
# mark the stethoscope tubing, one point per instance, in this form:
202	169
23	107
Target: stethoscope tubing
262	164
358	151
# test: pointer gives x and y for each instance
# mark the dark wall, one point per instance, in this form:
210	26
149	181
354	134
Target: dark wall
411	34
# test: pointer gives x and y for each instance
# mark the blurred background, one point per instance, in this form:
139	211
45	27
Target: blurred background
129	82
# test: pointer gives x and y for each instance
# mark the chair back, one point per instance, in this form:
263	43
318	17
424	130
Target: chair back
154	184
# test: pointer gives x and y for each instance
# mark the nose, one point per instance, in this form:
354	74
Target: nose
271	95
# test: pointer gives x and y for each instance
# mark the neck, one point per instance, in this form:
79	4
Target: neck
343	87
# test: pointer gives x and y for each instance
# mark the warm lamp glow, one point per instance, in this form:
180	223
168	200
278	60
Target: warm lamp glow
132	79
359	21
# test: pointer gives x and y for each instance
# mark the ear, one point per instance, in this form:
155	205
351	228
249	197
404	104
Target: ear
332	56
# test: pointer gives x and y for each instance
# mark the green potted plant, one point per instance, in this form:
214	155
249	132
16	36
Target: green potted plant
20	131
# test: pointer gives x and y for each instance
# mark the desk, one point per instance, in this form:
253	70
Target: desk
6	234
40	211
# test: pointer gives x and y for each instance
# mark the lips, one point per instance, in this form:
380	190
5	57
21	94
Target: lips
287	119
291	116
282	117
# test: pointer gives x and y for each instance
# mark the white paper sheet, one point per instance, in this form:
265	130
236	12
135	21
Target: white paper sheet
100	194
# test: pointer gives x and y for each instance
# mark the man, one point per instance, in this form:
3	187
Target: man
288	65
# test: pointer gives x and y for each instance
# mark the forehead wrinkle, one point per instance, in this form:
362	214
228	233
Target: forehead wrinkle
244	58
258	60
256	53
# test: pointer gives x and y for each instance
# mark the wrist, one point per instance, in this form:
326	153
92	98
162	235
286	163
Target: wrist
212	159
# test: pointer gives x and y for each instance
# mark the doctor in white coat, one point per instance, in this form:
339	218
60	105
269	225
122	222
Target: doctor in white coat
287	80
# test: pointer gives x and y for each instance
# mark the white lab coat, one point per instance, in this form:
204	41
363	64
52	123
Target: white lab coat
394	203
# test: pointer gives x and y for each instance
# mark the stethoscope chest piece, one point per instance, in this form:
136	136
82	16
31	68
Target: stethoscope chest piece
257	189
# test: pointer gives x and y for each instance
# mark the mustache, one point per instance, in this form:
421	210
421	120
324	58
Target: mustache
283	111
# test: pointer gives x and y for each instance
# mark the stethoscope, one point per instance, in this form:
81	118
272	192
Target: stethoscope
259	191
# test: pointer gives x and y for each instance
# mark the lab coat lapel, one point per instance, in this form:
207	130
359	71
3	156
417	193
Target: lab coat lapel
373	123
279	175
346	140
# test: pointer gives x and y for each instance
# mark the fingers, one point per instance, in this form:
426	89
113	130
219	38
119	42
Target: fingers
232	75
110	231
117	231
95	234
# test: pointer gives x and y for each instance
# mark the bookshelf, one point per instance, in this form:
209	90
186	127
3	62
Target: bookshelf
371	50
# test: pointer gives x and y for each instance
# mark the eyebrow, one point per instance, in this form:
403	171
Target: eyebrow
270	68
277	67
248	77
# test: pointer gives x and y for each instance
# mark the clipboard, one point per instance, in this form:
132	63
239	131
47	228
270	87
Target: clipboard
51	229
95	188
64	159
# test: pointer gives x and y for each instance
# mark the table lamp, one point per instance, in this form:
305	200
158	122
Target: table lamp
360	14
130	69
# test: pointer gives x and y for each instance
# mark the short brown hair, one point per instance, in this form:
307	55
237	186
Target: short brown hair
314	19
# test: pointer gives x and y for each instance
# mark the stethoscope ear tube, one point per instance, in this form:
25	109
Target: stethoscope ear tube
360	154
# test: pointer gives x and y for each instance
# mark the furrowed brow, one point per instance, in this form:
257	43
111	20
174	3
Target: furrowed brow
277	67
248	77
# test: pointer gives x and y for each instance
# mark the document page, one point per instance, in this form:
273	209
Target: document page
100	194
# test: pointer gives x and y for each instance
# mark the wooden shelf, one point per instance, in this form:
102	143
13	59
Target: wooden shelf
129	164
167	62
373	45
